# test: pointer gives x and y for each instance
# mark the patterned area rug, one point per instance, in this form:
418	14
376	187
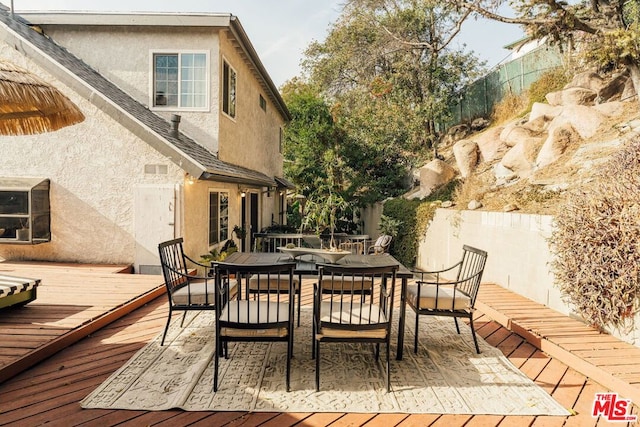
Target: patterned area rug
446	377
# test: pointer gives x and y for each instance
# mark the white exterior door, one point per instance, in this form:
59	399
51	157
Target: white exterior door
156	219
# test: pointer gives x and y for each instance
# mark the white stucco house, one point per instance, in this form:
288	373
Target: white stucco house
182	137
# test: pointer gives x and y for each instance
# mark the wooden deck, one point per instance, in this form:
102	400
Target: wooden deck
73	301
49	392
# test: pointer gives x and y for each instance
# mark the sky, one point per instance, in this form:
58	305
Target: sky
280	30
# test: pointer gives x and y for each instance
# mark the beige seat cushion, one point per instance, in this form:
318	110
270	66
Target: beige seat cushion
273	283
354	314
255	312
198	294
445	299
358	285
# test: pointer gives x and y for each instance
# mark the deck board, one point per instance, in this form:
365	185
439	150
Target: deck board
50	391
70	297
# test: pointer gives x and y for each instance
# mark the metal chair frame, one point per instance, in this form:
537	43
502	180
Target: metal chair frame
467	282
365	320
176	272
250	316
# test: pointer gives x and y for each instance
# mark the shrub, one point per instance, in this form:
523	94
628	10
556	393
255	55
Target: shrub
595	243
551	81
509	107
413	218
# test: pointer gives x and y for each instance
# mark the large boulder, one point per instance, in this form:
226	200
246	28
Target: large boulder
538	124
610	109
466	154
479	124
613	89
512	135
560	137
572	96
435	174
490	144
521	158
629	91
546	111
588	80
455	134
585	120
503	174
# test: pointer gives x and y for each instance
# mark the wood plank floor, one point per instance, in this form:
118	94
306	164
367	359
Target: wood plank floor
603	358
73	301
49	392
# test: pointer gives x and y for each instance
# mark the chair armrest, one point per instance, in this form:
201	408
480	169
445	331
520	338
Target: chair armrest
423	272
197	262
451	282
207	268
188	276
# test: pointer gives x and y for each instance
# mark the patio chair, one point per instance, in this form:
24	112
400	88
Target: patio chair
186	291
344	317
261	284
252	317
435	295
356	248
381	245
350	285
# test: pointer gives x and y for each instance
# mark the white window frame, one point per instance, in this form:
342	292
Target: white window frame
222	233
223	90
179	53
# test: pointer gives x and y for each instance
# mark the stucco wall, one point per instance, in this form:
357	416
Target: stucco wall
123	55
252	138
93	167
519	254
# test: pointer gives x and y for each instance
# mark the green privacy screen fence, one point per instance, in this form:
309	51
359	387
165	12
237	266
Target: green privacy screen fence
511	77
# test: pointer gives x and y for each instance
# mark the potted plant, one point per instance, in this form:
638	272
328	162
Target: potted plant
240	232
22	233
322	214
227	249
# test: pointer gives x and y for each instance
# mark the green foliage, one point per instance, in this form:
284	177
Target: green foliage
617	42
413	218
595	243
550	81
322	209
308	138
389	225
390	73
215	255
606	32
404	246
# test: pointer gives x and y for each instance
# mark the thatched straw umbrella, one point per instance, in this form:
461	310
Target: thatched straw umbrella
28	105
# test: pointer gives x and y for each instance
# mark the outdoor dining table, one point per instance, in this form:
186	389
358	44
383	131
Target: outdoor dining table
309	266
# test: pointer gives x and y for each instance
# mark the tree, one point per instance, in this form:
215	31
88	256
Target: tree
309	137
388	68
610	29
313	147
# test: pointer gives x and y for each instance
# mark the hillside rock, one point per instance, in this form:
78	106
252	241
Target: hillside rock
435	174
572	96
531	162
521	158
466	153
490	144
513	135
613	88
546	111
587	80
560	137
585	120
456	133
611	109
